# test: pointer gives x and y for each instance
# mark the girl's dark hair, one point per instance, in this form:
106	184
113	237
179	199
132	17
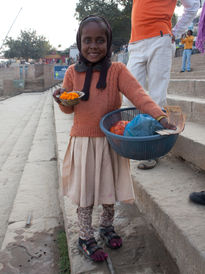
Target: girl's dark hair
190	31
103	65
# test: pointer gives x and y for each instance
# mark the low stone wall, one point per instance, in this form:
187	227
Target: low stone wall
26	78
48	74
10	89
39	68
9	73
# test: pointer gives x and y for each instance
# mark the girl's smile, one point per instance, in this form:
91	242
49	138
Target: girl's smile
93	42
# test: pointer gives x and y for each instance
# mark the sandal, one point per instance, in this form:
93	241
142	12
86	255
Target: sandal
89	248
108	234
148	164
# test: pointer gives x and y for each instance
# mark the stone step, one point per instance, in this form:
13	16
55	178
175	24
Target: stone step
20	116
194	70
190	145
197	60
196	67
36	200
162	195
193	107
15	115
187	87
188	75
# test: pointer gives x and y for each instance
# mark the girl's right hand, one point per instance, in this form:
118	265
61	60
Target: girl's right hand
58	91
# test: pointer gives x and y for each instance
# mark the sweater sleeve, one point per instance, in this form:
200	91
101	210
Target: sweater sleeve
131	88
68	85
67	110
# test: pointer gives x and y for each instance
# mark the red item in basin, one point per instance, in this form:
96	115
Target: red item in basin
119	127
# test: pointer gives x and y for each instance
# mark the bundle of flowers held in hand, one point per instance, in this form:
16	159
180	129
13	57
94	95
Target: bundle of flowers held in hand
71	98
69	95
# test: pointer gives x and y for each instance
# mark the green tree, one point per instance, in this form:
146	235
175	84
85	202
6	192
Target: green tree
175	17
27	45
117	12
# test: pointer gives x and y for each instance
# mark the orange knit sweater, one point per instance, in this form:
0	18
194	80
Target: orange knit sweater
149	17
87	114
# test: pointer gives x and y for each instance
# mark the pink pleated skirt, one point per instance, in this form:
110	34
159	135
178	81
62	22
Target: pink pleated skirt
93	173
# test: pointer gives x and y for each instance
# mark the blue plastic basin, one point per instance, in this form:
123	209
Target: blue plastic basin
137	148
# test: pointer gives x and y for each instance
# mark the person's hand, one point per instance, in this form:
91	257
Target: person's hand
164	122
56	92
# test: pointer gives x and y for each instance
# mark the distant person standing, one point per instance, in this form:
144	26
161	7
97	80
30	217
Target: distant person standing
151	46
187	40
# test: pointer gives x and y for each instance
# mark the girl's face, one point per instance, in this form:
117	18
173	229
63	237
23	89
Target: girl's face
93	42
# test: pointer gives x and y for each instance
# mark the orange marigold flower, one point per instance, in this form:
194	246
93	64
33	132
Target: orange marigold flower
69	95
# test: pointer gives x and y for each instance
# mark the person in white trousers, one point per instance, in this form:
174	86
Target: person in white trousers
151	47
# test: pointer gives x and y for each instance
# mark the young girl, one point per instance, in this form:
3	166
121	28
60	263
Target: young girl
93	173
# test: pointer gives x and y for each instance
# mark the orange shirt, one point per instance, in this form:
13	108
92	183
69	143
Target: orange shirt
87	114
149	17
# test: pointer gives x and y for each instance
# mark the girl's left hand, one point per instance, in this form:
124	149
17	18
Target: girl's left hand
164	122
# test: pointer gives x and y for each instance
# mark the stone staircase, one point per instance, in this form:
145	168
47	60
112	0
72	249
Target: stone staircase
190	95
30	212
162	194
197	68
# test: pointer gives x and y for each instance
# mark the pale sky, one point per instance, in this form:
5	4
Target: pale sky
52	19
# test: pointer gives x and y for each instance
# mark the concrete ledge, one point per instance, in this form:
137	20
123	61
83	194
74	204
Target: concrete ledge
162	195
191	145
18	127
194	108
37	194
187	87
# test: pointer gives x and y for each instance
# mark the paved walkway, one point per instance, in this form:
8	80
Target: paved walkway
30	213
